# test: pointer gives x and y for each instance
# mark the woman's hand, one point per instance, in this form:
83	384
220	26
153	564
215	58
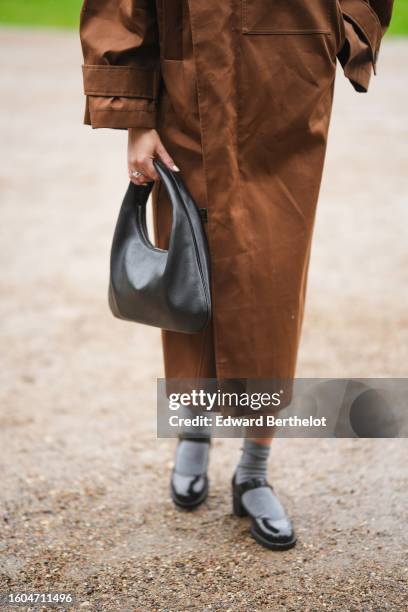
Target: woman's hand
143	145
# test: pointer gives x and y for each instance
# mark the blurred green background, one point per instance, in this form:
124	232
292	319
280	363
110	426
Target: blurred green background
60	13
65	13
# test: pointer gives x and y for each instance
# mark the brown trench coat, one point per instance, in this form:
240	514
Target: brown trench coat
241	95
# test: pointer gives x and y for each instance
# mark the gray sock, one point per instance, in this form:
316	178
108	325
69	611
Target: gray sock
260	502
192	455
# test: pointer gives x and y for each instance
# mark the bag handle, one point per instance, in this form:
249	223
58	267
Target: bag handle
141	192
139	195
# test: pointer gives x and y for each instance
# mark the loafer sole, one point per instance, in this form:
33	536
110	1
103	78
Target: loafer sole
272	545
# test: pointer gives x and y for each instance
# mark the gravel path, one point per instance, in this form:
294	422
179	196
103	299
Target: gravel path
84	500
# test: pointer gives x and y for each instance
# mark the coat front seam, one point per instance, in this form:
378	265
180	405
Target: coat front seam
200	101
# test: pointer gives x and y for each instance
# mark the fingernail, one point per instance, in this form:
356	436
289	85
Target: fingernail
176	168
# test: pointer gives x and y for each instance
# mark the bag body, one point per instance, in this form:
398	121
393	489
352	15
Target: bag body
170	288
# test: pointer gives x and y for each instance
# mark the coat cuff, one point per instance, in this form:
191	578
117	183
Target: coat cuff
363	38
120	96
119	113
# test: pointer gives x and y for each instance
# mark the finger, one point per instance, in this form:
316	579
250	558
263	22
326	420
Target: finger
144	164
137	177
165	157
139	180
149	170
139	183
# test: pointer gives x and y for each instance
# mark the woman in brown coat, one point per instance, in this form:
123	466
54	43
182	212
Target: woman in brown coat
238	94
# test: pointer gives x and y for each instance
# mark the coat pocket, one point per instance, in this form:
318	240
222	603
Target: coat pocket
288	16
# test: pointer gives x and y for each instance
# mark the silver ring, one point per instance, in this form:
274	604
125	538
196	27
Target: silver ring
136	173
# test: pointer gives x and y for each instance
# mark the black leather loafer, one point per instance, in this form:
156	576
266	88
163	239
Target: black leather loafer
189	492
274	534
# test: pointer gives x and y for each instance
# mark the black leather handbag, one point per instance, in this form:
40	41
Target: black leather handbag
167	289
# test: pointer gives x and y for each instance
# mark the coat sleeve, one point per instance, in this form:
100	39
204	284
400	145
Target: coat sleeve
365	24
121	75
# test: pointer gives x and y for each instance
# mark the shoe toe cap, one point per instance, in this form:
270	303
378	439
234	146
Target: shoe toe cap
188	491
